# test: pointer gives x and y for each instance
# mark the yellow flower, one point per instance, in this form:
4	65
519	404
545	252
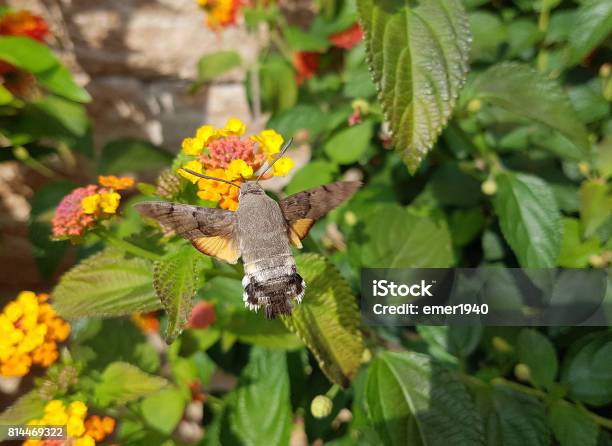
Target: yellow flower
85	440
282	166
115	183
194	165
209	195
270	141
234	126
75	426
54	406
238	168
109	202
90	203
205	134
77	409
192	146
13	311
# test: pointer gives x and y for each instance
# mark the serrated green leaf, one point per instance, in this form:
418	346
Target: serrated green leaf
121	383
263	383
591	25
28	407
175	282
396	237
571	425
538	353
418	53
529	219
520	89
328	319
411	400
511	418
106	284
587	369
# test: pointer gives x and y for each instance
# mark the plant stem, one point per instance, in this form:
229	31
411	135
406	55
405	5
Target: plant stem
126	246
22	154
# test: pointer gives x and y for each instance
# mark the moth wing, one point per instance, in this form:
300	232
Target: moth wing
303	209
211	231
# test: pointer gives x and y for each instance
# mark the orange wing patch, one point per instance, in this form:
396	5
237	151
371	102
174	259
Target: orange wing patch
220	247
298	230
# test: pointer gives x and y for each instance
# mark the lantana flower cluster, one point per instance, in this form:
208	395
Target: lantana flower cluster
224	153
221	13
30	330
80	429
80	210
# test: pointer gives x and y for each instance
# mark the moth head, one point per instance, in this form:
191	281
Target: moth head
251	188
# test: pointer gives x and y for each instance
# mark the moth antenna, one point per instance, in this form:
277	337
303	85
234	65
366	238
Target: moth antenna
206	177
280	155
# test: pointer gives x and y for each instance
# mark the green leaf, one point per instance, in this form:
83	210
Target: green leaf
131	155
521	90
574	252
538	353
595	205
529	219
411	400
592	24
418	53
28	407
213	65
511	418
300	40
70	116
571	425
328	319
396	237
32	56
175	282
301	117
587	369
313	174
106	284
348	146
263	383
121	383
279	90
164	409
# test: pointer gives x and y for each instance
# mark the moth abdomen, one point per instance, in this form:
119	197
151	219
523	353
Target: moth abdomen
274	294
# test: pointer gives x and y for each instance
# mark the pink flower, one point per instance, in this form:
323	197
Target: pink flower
70	220
222	151
202	315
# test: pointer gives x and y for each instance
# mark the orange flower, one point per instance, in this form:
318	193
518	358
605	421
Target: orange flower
99	427
220	13
147	322
23	23
115	183
348	38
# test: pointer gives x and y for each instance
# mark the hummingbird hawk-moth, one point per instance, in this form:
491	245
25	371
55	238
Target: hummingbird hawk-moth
261	231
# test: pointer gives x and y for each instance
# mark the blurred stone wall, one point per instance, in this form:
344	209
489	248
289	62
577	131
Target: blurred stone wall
138	58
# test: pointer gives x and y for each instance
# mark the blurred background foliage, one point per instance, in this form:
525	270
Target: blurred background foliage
507	164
